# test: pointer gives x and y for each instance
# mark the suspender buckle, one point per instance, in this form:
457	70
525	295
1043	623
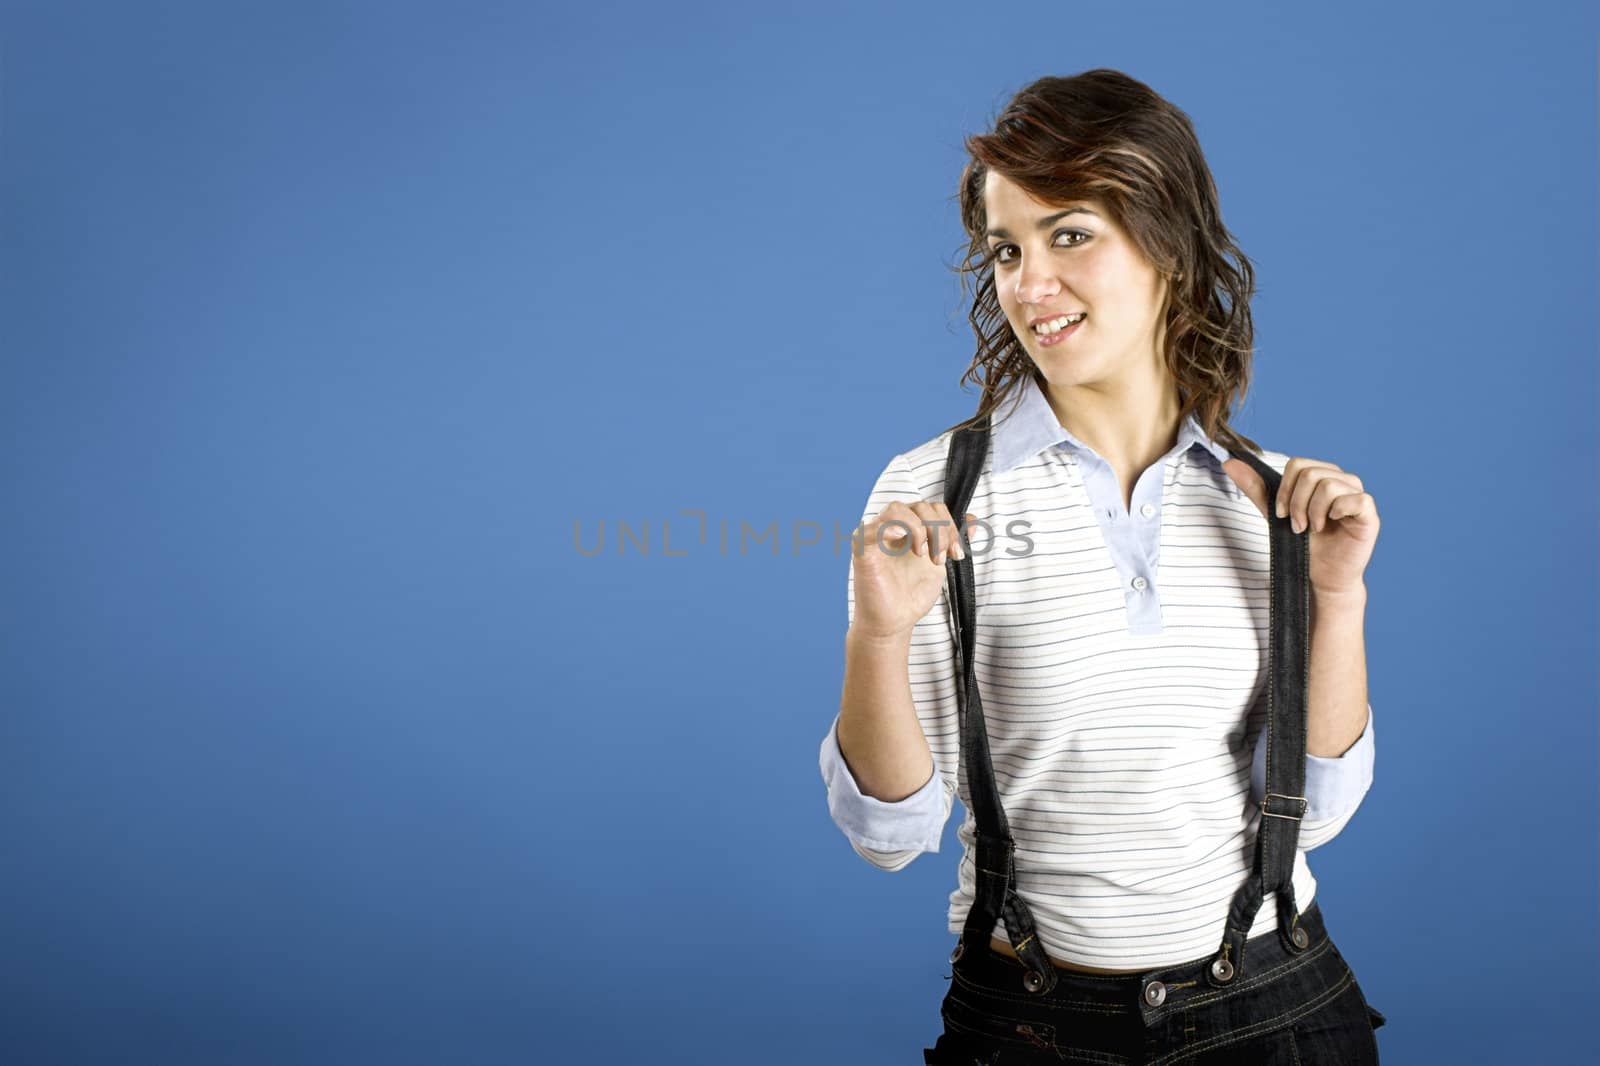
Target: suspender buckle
1296	804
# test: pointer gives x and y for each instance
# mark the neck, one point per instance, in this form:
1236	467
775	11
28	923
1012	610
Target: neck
1129	430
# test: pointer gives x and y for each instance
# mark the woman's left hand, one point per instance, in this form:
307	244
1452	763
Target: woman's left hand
1343	518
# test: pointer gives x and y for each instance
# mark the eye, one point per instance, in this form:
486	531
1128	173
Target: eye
996	253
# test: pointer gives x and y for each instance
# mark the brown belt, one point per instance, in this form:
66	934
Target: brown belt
1006	949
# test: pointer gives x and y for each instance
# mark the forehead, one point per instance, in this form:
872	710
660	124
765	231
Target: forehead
1007	202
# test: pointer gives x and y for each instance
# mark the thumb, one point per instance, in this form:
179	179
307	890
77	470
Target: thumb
1244	475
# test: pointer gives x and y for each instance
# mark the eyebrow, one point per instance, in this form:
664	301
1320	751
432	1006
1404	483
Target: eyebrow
1044	222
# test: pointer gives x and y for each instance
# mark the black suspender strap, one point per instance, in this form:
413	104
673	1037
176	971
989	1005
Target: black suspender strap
994	871
1284	805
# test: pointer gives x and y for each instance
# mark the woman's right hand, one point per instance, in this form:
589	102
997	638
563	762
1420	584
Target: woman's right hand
899	566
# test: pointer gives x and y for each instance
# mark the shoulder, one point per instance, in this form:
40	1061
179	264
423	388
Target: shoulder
926	462
908	476
1275	459
914	474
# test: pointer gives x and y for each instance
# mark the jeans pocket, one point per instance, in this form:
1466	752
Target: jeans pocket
981	1024
991	1029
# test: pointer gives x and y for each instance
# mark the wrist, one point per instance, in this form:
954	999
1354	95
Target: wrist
1352	595
857	639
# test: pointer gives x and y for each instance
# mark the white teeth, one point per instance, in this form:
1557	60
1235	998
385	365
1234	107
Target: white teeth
1055	325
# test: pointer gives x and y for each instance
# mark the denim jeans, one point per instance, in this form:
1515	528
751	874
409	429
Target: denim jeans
1294	1008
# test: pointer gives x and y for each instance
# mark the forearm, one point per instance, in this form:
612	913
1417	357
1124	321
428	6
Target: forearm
1337	711
879	735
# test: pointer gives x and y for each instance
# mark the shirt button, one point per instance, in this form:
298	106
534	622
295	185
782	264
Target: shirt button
1147	510
1155	993
1140	583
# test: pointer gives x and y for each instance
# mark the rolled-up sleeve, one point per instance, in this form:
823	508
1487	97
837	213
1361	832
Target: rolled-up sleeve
1335	785
911	824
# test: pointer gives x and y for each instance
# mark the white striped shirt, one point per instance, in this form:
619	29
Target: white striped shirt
1122	661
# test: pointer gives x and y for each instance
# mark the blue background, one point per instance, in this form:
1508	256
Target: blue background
326	324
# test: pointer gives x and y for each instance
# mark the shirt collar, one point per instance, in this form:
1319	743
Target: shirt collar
1029	426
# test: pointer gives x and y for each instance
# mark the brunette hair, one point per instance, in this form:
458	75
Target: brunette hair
1105	136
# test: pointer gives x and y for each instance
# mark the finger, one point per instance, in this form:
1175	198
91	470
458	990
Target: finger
1318	504
924	545
936	528
1297	501
1351	504
920	509
894	531
968	522
1327	487
1300	478
891	530
869	537
957	548
1250	483
943	527
958	533
1286	487
1280	502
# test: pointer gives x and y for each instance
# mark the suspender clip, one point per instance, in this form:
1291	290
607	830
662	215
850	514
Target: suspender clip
1296	804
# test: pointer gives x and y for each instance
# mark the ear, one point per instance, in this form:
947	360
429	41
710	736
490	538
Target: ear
1244	475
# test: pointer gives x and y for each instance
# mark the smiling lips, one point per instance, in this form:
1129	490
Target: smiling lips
1054	330
1051	325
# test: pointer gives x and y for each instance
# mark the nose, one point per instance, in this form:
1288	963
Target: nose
1035	282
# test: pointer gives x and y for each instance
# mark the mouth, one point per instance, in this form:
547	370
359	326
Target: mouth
1057	330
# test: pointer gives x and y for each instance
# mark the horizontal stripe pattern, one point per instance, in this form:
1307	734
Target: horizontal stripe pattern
1122	756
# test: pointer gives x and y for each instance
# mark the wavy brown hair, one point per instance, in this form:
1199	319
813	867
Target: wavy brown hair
1102	135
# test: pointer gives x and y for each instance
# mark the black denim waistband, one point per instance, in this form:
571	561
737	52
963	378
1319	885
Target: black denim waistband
1154	992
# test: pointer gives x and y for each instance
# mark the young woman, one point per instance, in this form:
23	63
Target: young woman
1142	667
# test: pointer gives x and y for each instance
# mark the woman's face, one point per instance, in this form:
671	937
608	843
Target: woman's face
1053	261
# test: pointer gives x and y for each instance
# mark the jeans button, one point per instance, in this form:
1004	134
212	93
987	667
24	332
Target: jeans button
1299	937
1033	980
1155	993
956	954
1222	970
